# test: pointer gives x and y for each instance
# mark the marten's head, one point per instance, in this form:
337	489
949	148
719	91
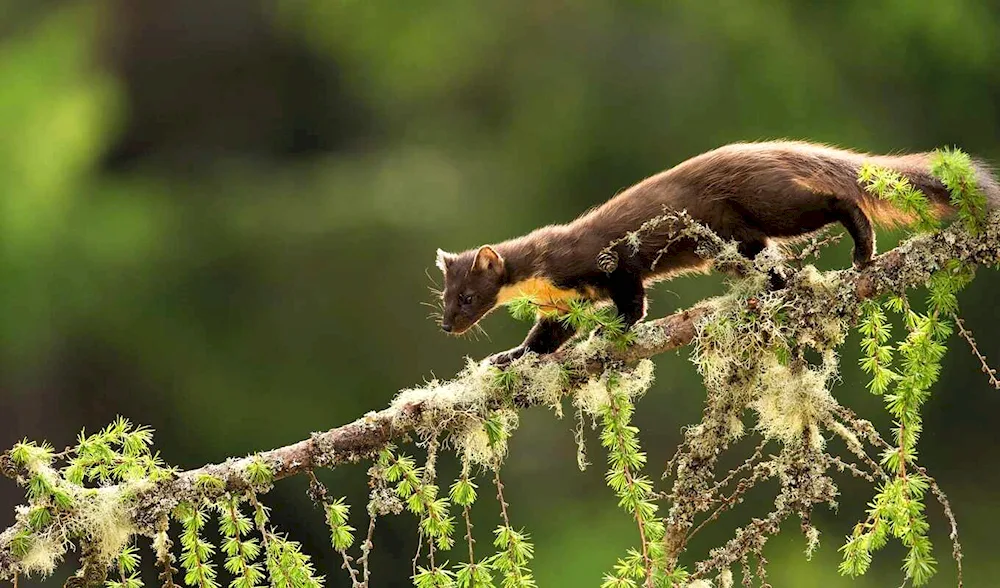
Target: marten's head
472	280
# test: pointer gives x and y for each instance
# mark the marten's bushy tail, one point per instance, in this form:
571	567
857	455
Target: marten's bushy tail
916	168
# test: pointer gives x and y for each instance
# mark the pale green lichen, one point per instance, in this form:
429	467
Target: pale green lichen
461	407
743	352
636	381
818	281
443	402
812	541
545	384
649	335
593	395
848	436
744	328
45	553
725	579
104	516
591	347
474	443
161	545
101	516
794	401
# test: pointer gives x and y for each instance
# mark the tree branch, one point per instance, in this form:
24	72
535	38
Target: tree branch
909	265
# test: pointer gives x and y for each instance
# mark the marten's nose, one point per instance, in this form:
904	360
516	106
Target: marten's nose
446	327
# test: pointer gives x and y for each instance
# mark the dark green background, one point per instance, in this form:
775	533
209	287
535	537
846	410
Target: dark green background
216	217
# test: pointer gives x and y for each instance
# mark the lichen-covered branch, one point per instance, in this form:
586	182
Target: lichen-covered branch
456	409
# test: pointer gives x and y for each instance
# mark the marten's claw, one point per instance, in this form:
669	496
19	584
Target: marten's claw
507	357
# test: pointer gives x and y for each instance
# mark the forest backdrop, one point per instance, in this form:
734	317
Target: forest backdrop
217	216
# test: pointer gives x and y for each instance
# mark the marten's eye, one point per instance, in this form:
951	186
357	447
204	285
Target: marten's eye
465	298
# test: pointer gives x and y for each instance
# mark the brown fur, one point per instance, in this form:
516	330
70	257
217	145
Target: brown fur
753	193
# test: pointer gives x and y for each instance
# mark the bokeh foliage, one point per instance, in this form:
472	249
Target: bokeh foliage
236	293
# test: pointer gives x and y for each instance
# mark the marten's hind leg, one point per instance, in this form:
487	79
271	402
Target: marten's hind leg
750	240
749	248
860	228
629	296
751	243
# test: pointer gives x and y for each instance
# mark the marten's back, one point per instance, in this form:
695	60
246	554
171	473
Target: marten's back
755	192
777	183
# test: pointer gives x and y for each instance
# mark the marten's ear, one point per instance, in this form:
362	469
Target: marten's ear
488	259
444	259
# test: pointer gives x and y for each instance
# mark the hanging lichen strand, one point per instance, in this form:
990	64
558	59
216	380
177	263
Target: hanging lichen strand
751	347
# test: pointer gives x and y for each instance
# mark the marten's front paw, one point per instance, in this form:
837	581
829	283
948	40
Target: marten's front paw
507	357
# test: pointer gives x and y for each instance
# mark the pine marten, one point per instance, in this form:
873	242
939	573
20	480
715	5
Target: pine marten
752	193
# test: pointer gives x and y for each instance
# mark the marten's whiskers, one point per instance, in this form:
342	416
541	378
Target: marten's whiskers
437	311
477	327
435	289
470	335
427	272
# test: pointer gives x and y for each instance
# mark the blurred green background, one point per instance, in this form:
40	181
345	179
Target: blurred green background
217	218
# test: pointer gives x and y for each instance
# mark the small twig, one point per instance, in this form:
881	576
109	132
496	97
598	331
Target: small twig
317	490
350	568
420	547
747	571
942	498
366	549
579	435
672	462
608	260
468	534
500	499
165	558
842	466
680	225
861	431
967	335
816	242
861	427
258	508
746	465
761	472
319	494
748	539
704	237
430	552
762	569
430	472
